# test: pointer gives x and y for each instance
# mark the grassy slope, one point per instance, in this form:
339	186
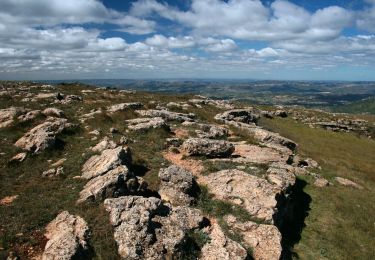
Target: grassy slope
341	222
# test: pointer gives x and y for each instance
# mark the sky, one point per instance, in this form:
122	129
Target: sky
153	39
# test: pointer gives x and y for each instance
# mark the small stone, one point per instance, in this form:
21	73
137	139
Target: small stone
348	183
20	157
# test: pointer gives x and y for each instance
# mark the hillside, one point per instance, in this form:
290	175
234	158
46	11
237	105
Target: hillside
95	173
366	106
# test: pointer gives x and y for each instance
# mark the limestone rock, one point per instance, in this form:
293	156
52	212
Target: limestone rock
146	123
239	115
53	111
43	136
7	115
124	106
109	159
105	143
167	115
209	130
20	157
208	147
114	183
177	185
282	175
53	172
248	153
147	229
264	240
29	116
256	195
221	247
321	182
348	183
67	238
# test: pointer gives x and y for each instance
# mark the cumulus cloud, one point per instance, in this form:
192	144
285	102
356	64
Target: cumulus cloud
251	19
70	38
171	42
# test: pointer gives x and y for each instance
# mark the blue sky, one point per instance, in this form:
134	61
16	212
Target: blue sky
232	39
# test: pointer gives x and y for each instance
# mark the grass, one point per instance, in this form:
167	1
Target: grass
341	222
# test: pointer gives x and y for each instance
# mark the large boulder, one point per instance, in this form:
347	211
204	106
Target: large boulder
147	229
177	185
43	136
207	147
264	240
167	115
124	106
108	160
67	238
222	247
254	194
247	115
114	183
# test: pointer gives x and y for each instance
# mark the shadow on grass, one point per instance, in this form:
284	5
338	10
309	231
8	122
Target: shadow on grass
290	219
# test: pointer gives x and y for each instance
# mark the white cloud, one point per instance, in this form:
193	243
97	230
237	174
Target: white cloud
251	20
225	45
171	42
366	18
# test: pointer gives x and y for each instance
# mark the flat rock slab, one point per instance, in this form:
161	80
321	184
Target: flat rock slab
207	147
247	153
254	194
109	159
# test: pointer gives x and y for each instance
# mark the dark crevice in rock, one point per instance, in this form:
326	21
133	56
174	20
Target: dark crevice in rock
293	208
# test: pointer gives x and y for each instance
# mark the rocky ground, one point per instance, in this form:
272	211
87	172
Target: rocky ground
114	174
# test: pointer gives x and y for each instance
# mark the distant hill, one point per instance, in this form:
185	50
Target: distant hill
358	107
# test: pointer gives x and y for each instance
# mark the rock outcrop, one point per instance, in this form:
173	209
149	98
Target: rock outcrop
43	136
177	186
109	176
114	183
264	240
239	115
104	144
53	111
29	116
139	124
208	130
108	160
167	115
7	115
207	147
124	106
349	183
147	229
67	238
254	194
222	247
